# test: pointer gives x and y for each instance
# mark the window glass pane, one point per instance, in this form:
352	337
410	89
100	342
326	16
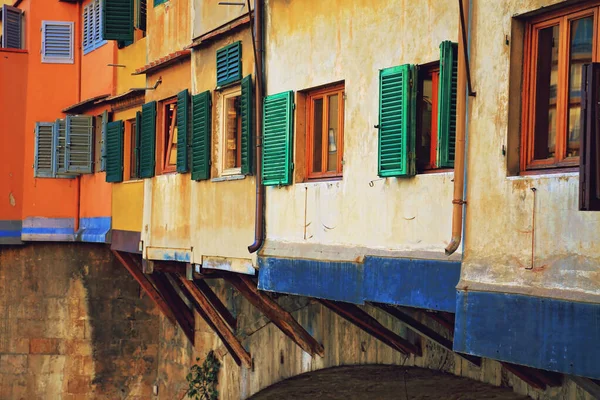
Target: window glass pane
332	134
132	153
171	137
426	109
233	128
546	81
317	135
580	52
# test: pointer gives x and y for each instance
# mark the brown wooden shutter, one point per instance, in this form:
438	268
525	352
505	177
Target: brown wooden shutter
589	160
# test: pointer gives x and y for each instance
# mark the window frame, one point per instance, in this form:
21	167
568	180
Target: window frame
164	141
130	161
431	69
311	96
562	18
223	171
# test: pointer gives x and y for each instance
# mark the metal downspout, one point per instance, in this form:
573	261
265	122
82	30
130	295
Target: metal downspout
466	168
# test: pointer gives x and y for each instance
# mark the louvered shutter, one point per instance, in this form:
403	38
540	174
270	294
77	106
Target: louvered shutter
12	27
201	144
60	146
79	139
114	151
229	64
103	141
57	42
183	105
117	20
589	159
97	26
247	131
397	121
43	160
278	121
141	14
87	24
148	140
447	104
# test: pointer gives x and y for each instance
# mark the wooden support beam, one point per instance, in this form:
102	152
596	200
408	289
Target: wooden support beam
589	385
522	373
425	331
367	323
132	265
217	304
170	267
442	319
183	315
272	310
232	343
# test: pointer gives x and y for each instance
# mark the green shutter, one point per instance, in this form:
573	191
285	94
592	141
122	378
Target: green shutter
201	145
141	14
247	131
148	140
117	20
114	151
397	121
183	105
229	64
447	104
278	118
138	140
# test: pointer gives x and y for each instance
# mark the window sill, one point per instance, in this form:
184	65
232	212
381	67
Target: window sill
226	178
94	47
133	181
436	171
11	50
323	179
548	171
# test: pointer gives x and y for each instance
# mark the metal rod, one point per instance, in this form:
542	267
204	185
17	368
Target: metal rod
464	38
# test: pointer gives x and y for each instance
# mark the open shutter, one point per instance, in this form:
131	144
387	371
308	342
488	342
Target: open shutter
589	159
397	121
43	160
79	139
247	131
278	120
114	151
148	140
60	146
141	14
183	105
12	27
117	20
447	104
87	24
229	64
103	141
138	139
57	42
201	145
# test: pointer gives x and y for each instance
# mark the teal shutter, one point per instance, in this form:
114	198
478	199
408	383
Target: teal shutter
141	14
278	121
201	144
44	156
114	151
103	142
138	139
247	131
229	64
79	157
183	105
148	140
447	104
397	121
117	20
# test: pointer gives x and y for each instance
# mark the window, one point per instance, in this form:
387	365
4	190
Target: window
169	136
92	26
12	27
229	64
133	136
556	48
232	133
325	138
427	112
57	42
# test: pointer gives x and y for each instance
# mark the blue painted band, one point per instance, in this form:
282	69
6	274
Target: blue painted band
47	231
94	229
550	334
10	233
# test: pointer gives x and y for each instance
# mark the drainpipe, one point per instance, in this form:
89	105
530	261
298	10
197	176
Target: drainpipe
259	219
458	202
79	55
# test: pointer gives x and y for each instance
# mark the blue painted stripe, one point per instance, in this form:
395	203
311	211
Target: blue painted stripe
94	229
47	231
10	233
539	332
428	284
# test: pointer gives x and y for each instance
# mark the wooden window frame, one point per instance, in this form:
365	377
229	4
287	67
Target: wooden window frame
562	18
311	96
164	139
130	168
430	69
226	95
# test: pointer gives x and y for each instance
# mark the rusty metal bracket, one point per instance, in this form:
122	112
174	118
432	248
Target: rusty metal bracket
459	201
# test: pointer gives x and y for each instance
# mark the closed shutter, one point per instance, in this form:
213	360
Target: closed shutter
201	145
589	159
79	139
148	140
141	14
12	27
117	20
229	64
183	105
447	104
114	151
397	121
57	42
247	131
44	155
278	119
60	146
87	25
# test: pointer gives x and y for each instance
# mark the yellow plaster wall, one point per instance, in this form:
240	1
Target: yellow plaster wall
500	208
351	41
169	28
132	57
209	15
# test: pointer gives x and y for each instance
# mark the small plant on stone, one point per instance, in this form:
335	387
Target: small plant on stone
203	379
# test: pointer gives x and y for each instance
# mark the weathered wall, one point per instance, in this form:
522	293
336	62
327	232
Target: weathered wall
340	41
500	207
132	57
74	326
209	15
169	27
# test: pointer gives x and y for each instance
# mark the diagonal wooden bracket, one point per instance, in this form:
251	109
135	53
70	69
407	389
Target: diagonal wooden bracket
217	303
367	323
281	318
183	314
425	331
212	317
